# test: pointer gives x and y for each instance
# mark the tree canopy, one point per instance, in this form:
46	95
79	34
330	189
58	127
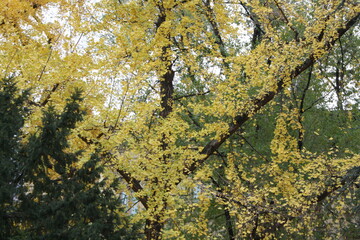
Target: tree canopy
218	119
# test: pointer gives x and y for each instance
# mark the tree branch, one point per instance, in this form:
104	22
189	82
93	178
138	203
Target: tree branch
135	186
260	101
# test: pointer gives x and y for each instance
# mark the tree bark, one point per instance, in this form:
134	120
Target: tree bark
153	229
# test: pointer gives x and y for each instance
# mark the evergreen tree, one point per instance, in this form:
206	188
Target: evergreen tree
43	191
69	203
11	120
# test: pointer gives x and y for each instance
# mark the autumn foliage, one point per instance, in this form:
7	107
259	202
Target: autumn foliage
219	119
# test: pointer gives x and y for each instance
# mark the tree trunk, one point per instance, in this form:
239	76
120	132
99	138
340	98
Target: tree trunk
153	228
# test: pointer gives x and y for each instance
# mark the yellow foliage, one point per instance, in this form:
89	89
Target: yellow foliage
168	85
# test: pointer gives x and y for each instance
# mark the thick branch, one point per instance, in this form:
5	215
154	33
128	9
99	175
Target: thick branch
218	39
301	110
167	90
135	186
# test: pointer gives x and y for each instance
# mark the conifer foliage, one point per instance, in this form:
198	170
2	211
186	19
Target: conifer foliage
57	199
11	121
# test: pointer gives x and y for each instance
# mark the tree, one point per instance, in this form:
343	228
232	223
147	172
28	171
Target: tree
12	113
203	105
53	195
